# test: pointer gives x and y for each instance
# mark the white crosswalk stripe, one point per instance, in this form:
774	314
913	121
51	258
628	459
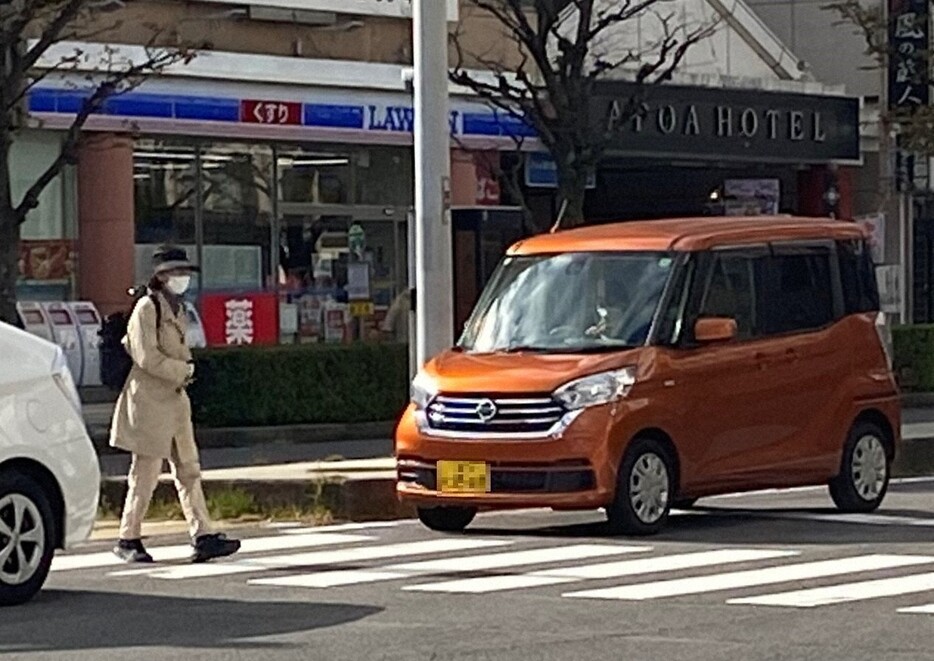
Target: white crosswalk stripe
324	558
344	555
601	571
458	565
752	578
834	517
838	594
183	551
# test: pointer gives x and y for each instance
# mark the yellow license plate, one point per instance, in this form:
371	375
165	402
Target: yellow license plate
463	477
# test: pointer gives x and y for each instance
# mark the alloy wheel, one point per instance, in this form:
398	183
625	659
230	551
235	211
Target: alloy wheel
649	487
869	468
22	539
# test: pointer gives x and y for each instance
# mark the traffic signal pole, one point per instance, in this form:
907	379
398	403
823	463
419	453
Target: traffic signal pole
434	288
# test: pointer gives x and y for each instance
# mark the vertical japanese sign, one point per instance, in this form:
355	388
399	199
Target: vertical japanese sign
909	39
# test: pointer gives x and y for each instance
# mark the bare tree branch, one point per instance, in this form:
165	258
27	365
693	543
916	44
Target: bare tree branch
117	82
553	84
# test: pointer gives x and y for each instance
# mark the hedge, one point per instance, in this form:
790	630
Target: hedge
299	384
358	383
914	357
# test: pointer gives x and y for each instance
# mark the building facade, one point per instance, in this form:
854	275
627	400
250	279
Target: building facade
282	155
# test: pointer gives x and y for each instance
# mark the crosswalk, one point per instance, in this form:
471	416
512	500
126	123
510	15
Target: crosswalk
595	570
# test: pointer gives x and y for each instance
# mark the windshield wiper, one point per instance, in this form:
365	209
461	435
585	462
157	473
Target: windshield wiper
602	348
527	348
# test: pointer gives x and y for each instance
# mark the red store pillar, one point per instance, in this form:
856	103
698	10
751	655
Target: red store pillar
825	191
106	223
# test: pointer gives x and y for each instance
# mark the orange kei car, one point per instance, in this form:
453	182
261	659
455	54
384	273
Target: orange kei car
640	366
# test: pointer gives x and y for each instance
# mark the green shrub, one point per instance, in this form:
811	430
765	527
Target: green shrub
914	357
299	384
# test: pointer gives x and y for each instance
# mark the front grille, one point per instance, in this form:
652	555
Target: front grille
500	415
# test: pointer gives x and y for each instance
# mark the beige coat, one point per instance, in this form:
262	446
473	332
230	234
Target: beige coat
153	411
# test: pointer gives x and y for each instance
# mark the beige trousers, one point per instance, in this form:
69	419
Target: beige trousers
142	481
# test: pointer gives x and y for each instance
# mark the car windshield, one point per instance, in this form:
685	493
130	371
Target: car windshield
572	302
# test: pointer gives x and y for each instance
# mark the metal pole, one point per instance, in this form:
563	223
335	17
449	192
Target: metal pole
412	277
433	273
199	219
275	221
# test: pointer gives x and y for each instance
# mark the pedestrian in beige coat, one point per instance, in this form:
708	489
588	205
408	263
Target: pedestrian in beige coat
152	419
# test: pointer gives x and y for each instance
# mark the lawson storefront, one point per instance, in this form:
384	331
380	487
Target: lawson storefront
283	190
280	190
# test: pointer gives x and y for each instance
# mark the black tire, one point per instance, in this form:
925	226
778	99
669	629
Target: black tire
625	515
859	487
683	503
15	486
446	519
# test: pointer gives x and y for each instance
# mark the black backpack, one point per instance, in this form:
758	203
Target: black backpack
116	363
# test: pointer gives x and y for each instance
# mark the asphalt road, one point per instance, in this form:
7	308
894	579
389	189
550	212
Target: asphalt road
772	576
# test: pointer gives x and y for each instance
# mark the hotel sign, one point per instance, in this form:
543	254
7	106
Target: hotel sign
695	122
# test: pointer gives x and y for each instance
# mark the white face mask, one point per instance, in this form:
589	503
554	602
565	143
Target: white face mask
178	284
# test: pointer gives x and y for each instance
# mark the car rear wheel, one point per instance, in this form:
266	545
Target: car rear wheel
864	472
643	490
27	538
446	519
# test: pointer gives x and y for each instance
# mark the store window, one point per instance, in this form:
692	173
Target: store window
340	207
237	216
215	200
48	253
165	179
323	225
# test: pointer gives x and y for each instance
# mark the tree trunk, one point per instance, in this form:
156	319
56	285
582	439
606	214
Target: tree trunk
9	232
9	265
572	189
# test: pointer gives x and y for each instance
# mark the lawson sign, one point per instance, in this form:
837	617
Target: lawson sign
466	120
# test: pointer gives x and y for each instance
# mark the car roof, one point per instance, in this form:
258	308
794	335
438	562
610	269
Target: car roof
688	234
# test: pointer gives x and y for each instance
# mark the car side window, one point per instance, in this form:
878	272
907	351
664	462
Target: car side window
731	291
671	323
799	294
857	277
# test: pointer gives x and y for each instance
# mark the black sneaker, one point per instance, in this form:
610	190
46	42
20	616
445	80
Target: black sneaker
132	550
209	547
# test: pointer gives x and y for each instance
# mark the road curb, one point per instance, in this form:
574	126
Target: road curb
240	437
368	497
915	458
358	499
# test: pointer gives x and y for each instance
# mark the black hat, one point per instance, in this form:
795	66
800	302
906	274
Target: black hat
172	258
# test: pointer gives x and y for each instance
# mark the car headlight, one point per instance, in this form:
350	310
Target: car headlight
596	390
423	390
64	380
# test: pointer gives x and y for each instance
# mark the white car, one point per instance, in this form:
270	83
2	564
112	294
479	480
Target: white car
49	472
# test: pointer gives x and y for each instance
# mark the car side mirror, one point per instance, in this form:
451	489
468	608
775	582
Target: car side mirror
715	329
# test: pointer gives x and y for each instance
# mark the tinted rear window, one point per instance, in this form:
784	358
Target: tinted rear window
857	277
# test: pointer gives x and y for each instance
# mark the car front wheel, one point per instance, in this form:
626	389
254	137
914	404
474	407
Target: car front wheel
27	538
864	472
643	491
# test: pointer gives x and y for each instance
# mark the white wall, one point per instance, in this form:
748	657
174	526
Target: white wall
391	8
835	53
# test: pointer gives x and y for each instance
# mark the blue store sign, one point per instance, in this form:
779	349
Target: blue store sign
541	171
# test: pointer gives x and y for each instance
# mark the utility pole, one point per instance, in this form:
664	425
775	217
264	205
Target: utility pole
434	284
